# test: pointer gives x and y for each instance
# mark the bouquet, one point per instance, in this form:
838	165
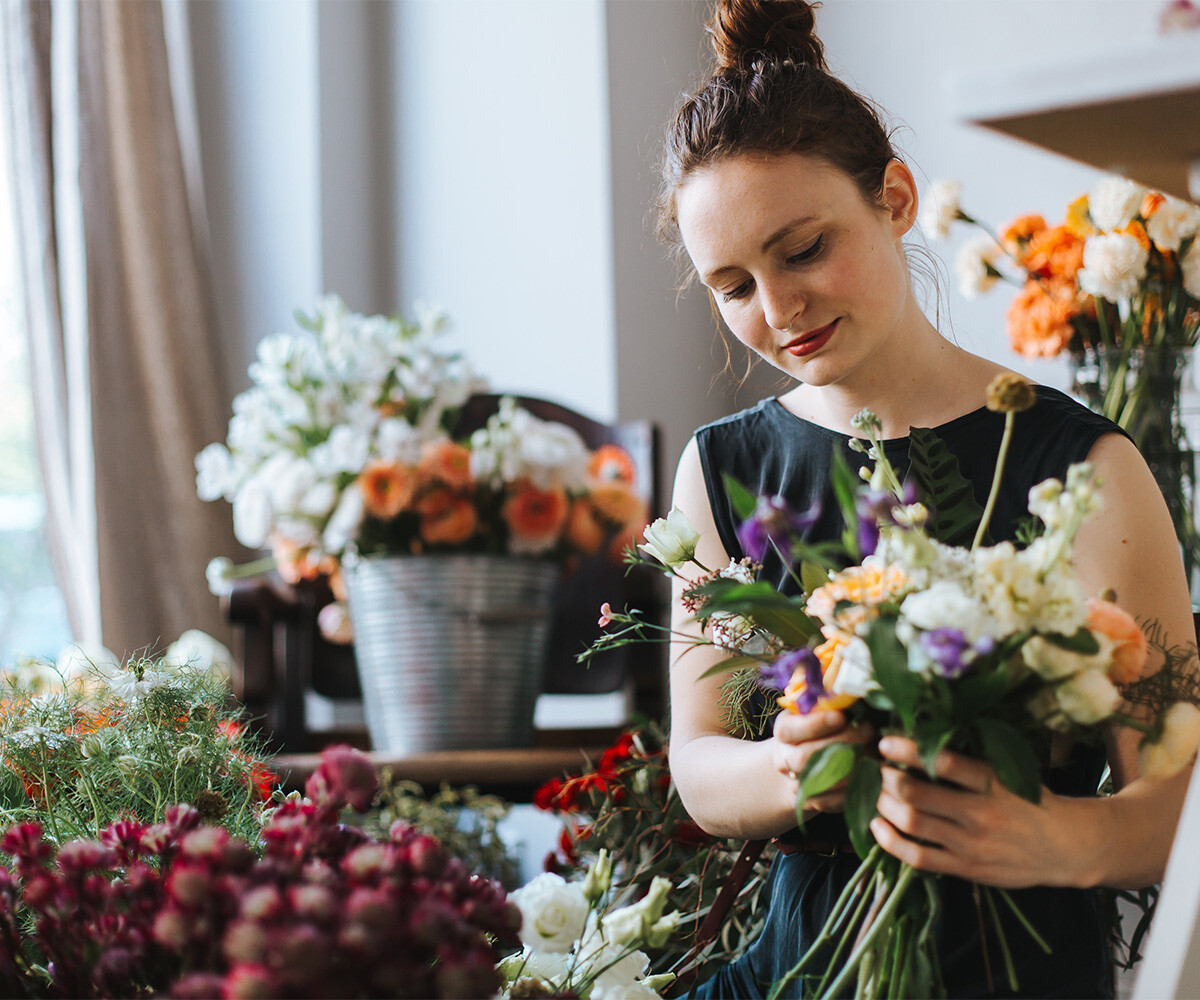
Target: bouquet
1116	286
344	443
925	631
628	808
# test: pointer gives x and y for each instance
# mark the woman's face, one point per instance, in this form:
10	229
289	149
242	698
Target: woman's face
806	272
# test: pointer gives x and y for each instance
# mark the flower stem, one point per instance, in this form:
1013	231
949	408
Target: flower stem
996	476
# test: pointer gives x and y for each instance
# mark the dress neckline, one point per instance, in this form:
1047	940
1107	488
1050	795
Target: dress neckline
893	443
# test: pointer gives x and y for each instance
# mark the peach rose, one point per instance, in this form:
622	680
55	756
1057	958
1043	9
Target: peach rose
1130	648
446	518
616	503
447	463
387	488
536	517
611	463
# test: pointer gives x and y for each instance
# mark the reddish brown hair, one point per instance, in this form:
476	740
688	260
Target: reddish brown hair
771	93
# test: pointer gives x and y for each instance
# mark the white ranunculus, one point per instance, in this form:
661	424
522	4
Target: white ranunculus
1177	744
1114	202
553	912
1054	663
975	265
1113	266
198	650
220	573
1088	697
671	539
1172	223
252	514
343	523
215	473
1189	269
939	208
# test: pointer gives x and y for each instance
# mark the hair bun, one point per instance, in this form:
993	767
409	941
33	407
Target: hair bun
746	31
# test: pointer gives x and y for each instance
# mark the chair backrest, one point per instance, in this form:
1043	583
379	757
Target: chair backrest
596	579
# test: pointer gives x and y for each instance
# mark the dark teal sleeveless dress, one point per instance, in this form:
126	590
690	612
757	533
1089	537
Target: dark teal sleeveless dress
775	453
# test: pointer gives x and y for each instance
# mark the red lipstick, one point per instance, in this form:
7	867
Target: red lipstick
812	341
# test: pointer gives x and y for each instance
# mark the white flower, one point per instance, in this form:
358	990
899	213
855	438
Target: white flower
1113	266
975	265
215	475
127	686
1189	268
32	736
334	622
671	540
855	673
198	650
1177	744
82	658
946	605
253	514
220	573
595	952
1114	202
343	523
1054	663
1172	223
553	912
631	925
939	208
1032	589
318	499
398	441
639	989
1088	697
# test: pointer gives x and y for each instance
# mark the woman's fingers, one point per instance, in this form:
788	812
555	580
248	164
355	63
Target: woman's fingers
971	775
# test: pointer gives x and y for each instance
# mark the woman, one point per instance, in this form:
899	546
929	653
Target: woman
782	187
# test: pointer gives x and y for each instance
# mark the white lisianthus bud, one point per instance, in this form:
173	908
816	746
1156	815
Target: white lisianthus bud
1113	266
1175	746
939	208
671	540
599	878
625	927
1114	202
658	933
553	912
220	573
1088	697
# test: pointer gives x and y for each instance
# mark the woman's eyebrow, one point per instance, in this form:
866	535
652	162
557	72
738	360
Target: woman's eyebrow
785	229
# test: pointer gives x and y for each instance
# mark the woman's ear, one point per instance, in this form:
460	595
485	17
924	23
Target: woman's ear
899	197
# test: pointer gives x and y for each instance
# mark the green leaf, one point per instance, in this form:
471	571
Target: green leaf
812	576
890	662
730	664
954	512
1011	757
977	692
862	798
744	502
767	608
1081	642
824	769
845	483
932	738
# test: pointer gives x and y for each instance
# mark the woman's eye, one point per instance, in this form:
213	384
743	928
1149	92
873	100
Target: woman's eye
809	252
740	292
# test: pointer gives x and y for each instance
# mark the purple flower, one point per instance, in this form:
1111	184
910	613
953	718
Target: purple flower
875	507
779	675
945	647
773	525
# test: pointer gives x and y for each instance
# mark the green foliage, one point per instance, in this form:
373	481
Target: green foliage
954	512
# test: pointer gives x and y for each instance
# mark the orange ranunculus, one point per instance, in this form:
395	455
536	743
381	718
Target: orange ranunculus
830	655
859	589
1055	252
447	518
1151	203
293	562
1138	232
584	530
611	462
447	463
535	516
1039	318
1078	221
1019	232
387	488
617	503
1131	650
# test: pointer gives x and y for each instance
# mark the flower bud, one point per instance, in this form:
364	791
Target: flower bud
1010	393
599	877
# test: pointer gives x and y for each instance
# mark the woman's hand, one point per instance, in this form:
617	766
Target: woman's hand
977	829
798	737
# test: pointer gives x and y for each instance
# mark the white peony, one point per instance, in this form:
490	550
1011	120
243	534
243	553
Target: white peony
1172	223
1189	268
975	265
939	208
1113	266
1088	697
1114	202
554	912
1176	745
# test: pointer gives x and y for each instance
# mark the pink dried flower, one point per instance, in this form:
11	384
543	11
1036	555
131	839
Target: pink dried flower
125	837
199	986
345	776
85	855
250	982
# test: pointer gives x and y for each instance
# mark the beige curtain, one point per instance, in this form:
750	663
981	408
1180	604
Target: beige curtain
136	315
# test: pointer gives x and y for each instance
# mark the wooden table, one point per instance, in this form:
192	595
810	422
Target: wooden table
513	774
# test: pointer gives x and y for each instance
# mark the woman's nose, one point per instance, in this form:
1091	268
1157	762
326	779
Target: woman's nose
781	305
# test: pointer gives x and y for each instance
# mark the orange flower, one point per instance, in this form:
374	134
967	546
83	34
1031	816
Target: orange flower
447	518
584	531
611	462
1055	252
536	517
628	536
293	562
1131	650
616	503
447	463
1039	318
1151	203
387	488
1019	232
1138	232
830	655
1078	221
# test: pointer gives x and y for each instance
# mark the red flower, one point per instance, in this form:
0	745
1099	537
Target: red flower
546	796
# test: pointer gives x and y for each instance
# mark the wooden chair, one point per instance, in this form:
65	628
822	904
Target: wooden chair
285	661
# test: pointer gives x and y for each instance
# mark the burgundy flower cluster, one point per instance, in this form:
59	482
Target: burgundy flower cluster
188	910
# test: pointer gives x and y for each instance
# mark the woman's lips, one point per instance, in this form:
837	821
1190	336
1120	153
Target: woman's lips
814	340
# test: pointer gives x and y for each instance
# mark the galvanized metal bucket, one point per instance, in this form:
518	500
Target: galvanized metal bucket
450	648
